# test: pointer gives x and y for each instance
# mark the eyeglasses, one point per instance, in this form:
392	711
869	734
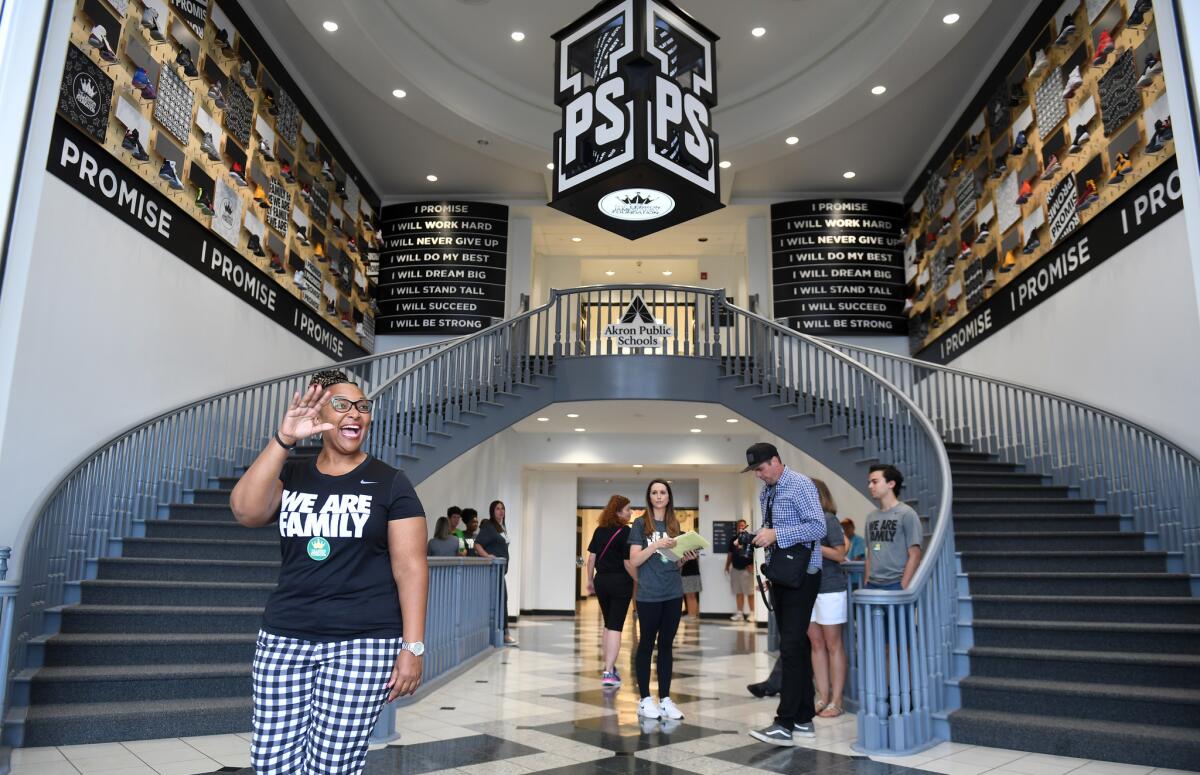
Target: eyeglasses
342	404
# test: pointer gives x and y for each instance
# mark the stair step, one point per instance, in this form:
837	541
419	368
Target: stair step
117	683
211	495
1178	670
1113	562
1166	706
1079	608
160	619
72	724
203	512
153	569
199	528
969	456
1005	491
965	524
1151	745
1101	540
983	467
1058	584
996	477
1034	506
66	649
175	593
200	549
1088	636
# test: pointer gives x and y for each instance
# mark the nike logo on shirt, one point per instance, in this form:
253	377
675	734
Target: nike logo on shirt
364	481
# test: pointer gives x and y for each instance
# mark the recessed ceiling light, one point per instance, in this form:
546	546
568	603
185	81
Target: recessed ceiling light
399	93
543	419
330	26
577	239
725	165
609	272
878	89
637	465
518	36
549	165
701	416
667	273
732	419
792	140
848	174
580	430
950	18
572	415
431	178
758	32
695	430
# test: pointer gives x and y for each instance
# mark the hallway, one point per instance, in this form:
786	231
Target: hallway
540	708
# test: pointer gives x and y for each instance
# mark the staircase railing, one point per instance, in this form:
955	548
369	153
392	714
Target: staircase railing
127	478
1137	471
901	689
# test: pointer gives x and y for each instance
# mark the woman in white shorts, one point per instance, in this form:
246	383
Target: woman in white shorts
829	614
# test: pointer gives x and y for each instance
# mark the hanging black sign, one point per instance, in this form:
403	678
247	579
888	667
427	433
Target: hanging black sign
91	170
442	269
194	13
637	82
838	266
1150	202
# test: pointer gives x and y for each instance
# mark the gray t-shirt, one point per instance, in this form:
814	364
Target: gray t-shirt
889	534
658	577
444	547
833	578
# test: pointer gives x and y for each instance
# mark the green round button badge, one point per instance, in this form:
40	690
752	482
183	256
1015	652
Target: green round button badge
318	549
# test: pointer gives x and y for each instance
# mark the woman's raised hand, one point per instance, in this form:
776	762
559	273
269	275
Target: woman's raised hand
301	421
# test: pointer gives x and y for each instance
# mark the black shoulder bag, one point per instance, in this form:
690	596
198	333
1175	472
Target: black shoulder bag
787	567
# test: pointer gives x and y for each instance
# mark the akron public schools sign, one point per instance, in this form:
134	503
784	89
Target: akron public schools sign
636	81
638	327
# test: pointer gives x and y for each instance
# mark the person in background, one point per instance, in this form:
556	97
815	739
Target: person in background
659	596
470	529
689	573
739	565
443	543
609	579
858	547
829	614
492	541
893	533
454	516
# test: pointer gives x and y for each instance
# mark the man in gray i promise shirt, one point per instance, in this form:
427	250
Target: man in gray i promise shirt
893	533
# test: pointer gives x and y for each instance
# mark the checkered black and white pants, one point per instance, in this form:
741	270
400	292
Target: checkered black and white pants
316	703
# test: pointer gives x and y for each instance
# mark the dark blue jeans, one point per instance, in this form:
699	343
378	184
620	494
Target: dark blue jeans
894	586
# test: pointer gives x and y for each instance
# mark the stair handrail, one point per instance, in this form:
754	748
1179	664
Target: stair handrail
127	477
1137	471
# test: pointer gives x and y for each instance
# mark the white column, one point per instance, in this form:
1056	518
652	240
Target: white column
758	260
520	264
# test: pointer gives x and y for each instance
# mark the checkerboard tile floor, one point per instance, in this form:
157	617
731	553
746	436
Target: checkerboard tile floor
540	708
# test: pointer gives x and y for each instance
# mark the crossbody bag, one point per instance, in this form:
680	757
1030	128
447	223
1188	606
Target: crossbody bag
787	567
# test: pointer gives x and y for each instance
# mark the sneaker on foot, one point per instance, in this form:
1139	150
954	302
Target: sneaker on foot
610	680
805	730
648	709
736	617
776	734
669	710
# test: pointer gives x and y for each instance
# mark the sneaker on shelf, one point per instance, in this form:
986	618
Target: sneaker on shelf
1122	166
609	680
1104	47
306	192
341	191
302	235
209	147
141	79
277	268
351	245
247	74
319	252
1025	192
184	60
285	170
946	225
99	40
1000	168
255	245
669	710
1022	142
298	278
223	39
1153	68
358	329
974	145
1016	94
1033	244
776	734
951	306
908	305
1052	167
260	196
648	709
983	235
1068	29
1138	15
310	150
269	102
989	279
1010	260
150	22
1081	137
346	320
1074	81
1167	132
218	97
964	251
1088	196
264	148
204	202
804	730
168	173
326	172
238	173
135	145
1040	64
149	92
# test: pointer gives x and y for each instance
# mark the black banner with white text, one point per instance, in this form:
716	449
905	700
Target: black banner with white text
91	170
1143	207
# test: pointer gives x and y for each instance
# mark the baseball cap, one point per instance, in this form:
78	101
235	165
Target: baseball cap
757	454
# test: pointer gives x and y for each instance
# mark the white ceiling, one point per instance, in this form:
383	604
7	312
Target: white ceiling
809	76
639	418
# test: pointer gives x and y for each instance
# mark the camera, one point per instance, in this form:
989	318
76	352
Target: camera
745	538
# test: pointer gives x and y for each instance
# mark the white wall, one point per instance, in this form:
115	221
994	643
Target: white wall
114	330
1125	337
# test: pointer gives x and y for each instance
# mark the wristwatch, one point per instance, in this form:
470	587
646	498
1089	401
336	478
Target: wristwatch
416	648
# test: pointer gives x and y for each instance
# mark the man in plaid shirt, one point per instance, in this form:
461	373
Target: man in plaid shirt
792	517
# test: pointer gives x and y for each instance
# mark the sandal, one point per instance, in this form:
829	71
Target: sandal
818	706
836	711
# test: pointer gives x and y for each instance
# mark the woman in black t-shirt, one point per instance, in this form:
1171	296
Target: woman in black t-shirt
492	541
609	580
342	632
